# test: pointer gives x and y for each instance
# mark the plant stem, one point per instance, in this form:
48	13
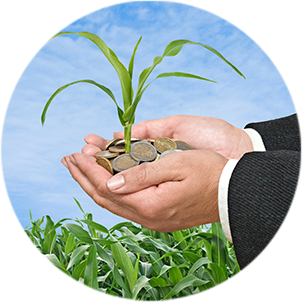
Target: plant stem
127	133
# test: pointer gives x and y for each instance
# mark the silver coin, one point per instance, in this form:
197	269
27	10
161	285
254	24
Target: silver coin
123	162
143	151
167	152
122	142
183	145
106	154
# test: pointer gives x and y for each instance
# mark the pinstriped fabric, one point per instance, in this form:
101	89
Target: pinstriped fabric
262	187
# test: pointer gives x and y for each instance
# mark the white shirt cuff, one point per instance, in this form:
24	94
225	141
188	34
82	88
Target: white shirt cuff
256	139
223	188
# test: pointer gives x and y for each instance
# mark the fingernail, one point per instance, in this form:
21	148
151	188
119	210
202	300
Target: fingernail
64	162
115	182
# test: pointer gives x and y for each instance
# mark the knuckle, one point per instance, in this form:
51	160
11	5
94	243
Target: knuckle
141	174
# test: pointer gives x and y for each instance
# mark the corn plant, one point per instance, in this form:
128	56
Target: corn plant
130	101
133	262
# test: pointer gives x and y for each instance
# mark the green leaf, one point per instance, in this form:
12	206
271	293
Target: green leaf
217	273
130	68
118	278
96	226
104	255
200	262
218	242
175	275
79	270
130	112
141	282
123	261
77	255
189	280
91	271
179	237
105	89
182	75
80	207
172	49
50	236
122	72
175	47
70	244
79	232
158	282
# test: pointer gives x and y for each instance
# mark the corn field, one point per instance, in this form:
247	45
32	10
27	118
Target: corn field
132	261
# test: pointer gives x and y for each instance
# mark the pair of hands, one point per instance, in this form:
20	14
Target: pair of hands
176	192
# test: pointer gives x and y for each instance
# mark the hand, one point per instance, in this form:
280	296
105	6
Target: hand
176	192
202	133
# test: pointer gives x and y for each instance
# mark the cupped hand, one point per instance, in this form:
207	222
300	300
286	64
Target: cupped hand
202	133
95	144
176	192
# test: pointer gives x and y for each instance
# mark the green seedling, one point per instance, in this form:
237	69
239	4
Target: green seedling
130	101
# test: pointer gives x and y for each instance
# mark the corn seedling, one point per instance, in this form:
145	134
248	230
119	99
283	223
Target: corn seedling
130	101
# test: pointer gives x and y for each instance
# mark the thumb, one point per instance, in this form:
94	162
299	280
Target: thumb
146	175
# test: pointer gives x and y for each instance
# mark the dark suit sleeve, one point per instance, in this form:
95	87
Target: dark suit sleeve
262	187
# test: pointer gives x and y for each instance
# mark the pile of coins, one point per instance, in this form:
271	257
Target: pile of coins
114	159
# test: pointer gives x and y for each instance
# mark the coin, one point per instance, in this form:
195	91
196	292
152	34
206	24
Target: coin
123	162
105	163
113	142
183	145
122	142
164	143
106	154
117	148
167	152
150	140
143	151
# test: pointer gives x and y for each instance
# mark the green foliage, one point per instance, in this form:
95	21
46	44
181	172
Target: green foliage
133	262
130	102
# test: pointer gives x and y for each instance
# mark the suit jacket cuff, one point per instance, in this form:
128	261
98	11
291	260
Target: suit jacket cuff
225	180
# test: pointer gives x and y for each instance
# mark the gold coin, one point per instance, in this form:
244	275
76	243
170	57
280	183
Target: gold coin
143	151
183	145
113	142
164	143
105	163
106	154
123	162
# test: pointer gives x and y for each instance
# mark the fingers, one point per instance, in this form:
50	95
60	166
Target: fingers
90	150
96	140
79	165
90	170
144	176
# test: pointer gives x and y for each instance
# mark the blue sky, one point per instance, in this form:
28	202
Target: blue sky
31	154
